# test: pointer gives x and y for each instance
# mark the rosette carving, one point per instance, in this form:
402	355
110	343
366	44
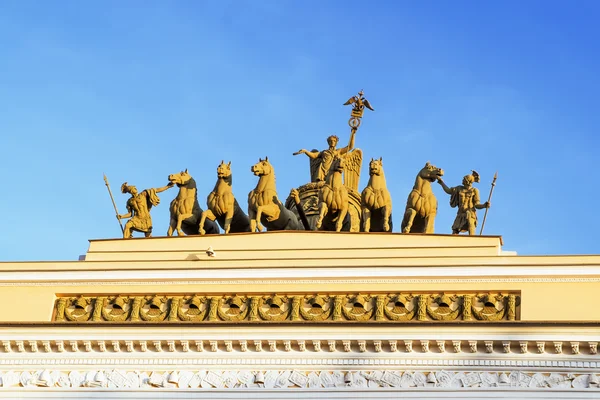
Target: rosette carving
443	307
316	308
358	307
192	308
78	309
400	307
154	308
274	308
233	308
489	307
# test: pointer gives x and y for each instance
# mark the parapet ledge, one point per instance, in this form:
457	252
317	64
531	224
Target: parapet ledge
294	245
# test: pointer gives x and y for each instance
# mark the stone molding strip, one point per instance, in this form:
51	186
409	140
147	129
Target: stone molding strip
290	308
513	347
404	281
472	379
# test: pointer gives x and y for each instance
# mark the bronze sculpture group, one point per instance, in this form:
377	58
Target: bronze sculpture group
330	202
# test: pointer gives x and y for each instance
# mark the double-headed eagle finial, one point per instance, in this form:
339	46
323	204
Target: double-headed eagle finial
358	108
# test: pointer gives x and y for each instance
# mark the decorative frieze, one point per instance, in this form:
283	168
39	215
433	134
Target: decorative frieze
295	379
320	308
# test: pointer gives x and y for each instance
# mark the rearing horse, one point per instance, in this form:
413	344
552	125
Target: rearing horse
376	201
421	205
185	210
333	196
223	206
264	206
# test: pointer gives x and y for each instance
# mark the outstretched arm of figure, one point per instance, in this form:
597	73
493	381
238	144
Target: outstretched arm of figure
476	203
162	189
310	154
444	186
128	215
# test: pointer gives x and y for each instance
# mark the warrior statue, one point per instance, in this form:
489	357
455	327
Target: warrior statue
466	198
138	207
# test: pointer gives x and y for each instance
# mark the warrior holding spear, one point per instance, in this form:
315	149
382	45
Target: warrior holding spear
466	198
138	207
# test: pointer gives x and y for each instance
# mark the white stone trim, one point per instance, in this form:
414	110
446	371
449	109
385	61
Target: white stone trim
252	380
175	273
513	347
309	394
360	363
405	281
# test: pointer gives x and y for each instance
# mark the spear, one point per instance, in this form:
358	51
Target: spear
489	199
114	205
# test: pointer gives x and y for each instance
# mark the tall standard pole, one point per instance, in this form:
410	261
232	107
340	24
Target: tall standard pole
489	199
113	202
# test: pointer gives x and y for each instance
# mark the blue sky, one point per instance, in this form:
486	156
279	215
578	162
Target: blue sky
142	89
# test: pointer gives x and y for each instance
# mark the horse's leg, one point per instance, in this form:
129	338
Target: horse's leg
322	213
429	221
409	217
172	224
386	211
180	219
206	214
341	217
366	219
148	233
252	217
259	212
229	216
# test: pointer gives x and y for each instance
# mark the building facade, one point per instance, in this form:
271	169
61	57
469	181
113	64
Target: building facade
282	315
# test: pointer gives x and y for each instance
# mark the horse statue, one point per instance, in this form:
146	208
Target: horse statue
185	210
421	205
333	200
264	207
376	201
222	205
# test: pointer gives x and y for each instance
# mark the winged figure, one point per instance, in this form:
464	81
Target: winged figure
321	161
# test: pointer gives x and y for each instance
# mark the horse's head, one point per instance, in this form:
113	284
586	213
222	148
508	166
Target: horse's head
181	178
262	167
224	170
431	172
376	166
338	164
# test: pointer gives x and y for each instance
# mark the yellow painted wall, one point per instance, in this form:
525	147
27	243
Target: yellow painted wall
539	301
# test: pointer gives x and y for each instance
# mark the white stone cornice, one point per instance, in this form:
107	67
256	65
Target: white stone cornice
360	362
